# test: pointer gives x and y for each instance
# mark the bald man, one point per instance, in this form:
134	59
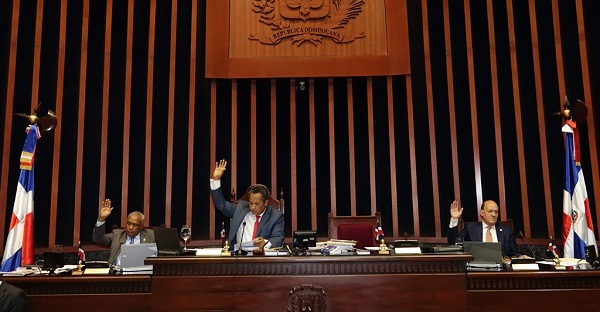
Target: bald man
488	230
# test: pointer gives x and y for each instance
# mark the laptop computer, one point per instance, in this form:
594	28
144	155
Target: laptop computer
167	242
487	256
441	248
133	255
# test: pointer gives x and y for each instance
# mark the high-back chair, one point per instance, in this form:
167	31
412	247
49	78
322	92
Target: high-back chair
273	202
358	228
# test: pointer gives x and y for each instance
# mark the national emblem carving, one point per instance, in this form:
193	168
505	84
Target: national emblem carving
307	20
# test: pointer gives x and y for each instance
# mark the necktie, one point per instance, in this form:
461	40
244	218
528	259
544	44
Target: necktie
131	241
255	227
488	235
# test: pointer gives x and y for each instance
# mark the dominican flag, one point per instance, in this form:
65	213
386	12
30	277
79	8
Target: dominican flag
551	251
19	243
223	233
81	253
578	229
378	232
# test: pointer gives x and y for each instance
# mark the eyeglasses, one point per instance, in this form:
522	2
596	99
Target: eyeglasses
129	223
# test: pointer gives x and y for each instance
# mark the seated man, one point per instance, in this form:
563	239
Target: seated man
485	231
134	233
254	219
12	298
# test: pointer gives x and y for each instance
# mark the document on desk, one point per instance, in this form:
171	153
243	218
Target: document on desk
274	252
20	272
247	246
209	252
96	271
143	269
525	267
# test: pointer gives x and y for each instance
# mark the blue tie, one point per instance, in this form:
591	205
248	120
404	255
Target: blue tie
131	242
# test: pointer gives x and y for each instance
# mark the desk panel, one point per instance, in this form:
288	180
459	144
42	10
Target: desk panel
85	293
538	290
343	283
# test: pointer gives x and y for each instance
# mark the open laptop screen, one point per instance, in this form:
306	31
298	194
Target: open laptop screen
484	252
133	255
167	241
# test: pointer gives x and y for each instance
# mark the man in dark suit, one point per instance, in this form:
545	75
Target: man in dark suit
485	231
134	232
12	298
254	219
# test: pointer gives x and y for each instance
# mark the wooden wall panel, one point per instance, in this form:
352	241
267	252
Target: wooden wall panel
245	23
540	109
518	116
81	110
231	55
60	79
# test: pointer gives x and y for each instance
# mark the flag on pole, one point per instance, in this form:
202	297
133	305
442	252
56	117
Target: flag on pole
378	232
578	229
223	234
551	251
19	243
81	253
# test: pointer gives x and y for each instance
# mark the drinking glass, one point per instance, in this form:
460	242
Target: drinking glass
186	233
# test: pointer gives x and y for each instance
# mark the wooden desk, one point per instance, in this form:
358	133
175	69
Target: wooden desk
85	293
342	283
324	283
534	291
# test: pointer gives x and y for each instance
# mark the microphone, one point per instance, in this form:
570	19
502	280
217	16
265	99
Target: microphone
240	251
528	246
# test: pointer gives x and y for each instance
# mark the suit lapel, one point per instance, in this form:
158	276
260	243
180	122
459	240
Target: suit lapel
2	291
478	231
499	233
236	222
263	220
143	236
123	237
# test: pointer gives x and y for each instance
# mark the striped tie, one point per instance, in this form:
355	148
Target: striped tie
488	235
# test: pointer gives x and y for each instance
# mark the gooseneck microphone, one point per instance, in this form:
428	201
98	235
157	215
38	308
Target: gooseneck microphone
240	251
528	246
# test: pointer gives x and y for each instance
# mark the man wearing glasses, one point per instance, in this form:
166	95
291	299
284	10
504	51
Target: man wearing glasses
133	233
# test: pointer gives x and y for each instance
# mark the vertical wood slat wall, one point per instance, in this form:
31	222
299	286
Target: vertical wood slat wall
404	101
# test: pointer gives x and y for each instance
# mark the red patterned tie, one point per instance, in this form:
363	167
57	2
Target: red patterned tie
256	224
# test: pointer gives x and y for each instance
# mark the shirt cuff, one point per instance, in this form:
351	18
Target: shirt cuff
215	184
453	223
100	223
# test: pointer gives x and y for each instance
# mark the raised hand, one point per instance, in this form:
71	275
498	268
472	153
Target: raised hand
455	211
105	210
220	168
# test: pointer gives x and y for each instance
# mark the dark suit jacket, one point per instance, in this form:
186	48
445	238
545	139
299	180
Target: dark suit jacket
271	223
473	232
117	238
12	298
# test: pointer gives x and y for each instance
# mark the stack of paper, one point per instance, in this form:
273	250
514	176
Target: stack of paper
20	272
336	246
